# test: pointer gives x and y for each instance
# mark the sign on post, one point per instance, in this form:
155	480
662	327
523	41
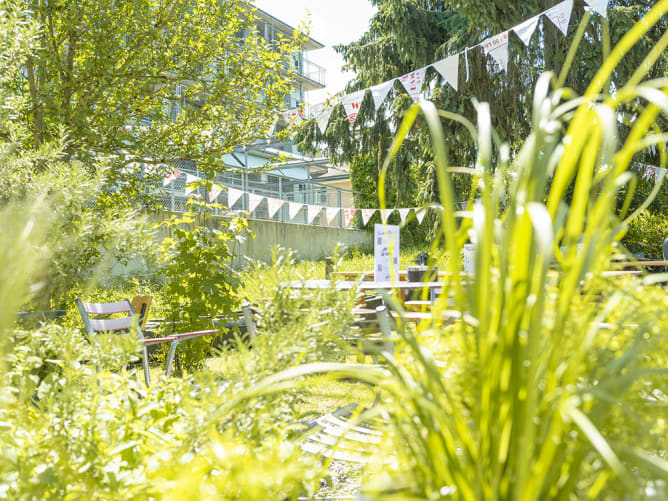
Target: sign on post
386	253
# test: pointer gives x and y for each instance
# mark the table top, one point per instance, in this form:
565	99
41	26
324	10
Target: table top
623	264
362	286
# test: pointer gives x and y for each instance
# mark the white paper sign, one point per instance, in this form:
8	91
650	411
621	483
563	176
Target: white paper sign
380	92
413	82
526	29
352	103
560	15
386	253
497	47
449	69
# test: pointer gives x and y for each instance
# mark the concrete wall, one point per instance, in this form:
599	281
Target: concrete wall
310	242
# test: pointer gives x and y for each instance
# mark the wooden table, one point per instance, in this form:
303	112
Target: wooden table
403	287
638	264
367	275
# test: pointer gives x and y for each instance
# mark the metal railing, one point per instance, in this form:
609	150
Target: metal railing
302	191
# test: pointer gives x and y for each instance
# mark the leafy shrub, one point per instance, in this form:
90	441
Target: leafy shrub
646	234
199	280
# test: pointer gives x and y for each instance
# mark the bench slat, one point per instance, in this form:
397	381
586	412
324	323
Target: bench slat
107	308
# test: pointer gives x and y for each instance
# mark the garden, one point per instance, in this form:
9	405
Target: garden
540	374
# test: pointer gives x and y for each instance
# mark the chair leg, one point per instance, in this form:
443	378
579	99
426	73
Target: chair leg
147	376
248	320
170	357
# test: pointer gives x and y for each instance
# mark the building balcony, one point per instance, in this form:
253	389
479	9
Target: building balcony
312	75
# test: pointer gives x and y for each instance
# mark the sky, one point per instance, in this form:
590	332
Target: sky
332	22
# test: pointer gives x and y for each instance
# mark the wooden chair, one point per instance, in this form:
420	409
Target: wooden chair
95	325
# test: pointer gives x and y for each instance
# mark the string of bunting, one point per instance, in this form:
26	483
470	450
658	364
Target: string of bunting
294	208
495	46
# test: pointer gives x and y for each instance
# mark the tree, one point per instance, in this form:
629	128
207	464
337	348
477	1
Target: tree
405	35
153	81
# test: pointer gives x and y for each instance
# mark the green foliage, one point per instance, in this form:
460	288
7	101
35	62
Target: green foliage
199	280
646	234
152	82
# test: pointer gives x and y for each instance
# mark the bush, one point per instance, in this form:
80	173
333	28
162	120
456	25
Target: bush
646	234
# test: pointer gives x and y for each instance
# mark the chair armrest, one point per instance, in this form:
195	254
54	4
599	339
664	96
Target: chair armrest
157	340
189	335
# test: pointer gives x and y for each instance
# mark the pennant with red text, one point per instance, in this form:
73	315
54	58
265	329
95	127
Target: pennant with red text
352	103
172	177
348	216
560	15
497	47
366	215
413	81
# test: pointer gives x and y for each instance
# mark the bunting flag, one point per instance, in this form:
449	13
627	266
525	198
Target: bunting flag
526	30
497	47
274	205
293	209
403	214
233	196
253	201
660	173
215	191
385	214
352	103
331	213
366	215
560	15
348	216
413	82
190	179
380	92
321	112
420	214
649	172
312	212
294	116
172	177
449	69
600	6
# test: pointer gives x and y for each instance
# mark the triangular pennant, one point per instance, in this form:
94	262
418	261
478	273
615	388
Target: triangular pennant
233	196
380	92
366	215
321	112
215	191
190	178
560	15
449	69
497	47
352	103
172	177
403	214
274	205
293	209
331	213
312	212
294	117
348	216
253	201
385	214
420	214
413	82
526	29
600	6
659	173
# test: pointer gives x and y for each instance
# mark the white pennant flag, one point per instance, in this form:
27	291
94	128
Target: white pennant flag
331	213
190	179
352	103
497	47
385	214
274	204
366	215
560	15
321	112
420	214
293	209
172	177
600	6
380	92
449	69
526	29
403	214
215	191
413	82
253	201
659	174
312	212
348	216
233	196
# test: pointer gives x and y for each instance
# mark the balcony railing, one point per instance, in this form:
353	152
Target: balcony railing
312	71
